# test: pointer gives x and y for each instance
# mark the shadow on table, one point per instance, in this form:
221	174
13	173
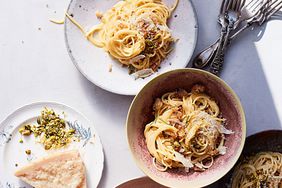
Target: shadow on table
243	71
118	108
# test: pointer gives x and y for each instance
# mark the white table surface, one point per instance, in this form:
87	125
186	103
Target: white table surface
35	66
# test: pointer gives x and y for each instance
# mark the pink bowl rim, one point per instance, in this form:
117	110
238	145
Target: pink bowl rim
216	176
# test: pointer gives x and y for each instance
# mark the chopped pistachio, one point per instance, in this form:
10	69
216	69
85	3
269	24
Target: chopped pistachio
72	131
51	128
21	141
38	120
25	130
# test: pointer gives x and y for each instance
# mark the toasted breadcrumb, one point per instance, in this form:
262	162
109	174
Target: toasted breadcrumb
198	88
99	14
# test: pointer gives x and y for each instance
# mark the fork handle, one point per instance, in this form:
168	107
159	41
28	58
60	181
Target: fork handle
217	63
205	57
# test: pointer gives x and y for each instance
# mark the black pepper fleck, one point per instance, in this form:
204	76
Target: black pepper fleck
175	15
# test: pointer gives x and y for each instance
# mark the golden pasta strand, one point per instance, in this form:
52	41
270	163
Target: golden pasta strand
186	132
134	32
261	170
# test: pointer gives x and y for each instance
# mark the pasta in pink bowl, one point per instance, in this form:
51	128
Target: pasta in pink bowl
186	128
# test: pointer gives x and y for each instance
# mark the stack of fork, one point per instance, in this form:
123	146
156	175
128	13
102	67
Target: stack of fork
235	16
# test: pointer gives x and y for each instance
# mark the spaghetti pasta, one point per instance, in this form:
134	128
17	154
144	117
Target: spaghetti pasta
134	32
261	170
187	131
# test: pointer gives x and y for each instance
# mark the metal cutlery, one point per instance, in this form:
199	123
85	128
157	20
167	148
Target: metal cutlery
248	11
268	10
232	15
255	11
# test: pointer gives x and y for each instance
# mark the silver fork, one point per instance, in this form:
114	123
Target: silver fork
225	5
224	24
268	10
274	7
248	11
232	15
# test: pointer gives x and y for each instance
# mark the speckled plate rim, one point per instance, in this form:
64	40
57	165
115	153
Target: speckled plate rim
97	137
73	59
191	183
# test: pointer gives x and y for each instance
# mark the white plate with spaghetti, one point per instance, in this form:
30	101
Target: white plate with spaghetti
145	38
18	150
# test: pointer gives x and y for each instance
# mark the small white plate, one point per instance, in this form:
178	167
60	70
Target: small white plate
12	152
94	62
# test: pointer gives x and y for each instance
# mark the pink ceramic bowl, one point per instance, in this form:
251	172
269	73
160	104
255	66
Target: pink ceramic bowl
140	113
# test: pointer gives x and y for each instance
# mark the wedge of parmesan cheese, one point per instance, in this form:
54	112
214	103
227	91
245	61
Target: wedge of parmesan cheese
60	170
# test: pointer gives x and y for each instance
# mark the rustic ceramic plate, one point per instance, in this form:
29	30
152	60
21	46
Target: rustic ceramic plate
94	62
12	152
144	182
270	140
140	113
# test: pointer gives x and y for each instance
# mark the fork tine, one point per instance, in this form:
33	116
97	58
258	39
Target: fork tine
237	5
274	9
259	7
268	7
259	4
273	2
251	2
242	4
223	6
255	3
233	4
229	4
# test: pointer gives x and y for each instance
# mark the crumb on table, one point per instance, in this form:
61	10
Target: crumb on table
28	152
110	67
99	14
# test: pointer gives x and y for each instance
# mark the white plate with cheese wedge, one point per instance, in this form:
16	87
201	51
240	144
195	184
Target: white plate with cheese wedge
26	154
